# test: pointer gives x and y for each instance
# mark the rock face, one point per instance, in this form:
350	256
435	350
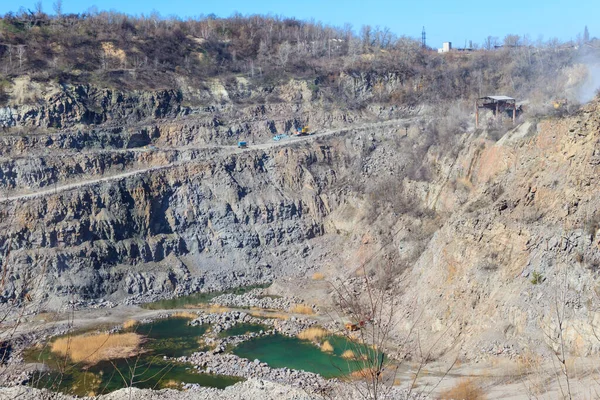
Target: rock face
137	194
88	105
521	253
218	221
87	237
107	195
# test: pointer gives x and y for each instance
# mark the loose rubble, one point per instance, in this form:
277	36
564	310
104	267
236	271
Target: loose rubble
258	299
230	364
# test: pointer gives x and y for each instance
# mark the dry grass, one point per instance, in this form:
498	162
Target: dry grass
91	349
318	276
216	309
172	384
365	373
130	323
302	309
529	366
184	314
349	355
261	313
464	390
327	347
313	334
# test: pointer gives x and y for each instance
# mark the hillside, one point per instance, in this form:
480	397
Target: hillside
121	183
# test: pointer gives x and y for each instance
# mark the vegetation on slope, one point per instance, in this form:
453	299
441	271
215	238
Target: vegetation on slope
149	52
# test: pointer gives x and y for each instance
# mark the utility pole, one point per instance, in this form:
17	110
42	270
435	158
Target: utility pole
423	39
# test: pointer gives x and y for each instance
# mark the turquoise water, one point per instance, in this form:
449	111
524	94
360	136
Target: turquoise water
196	299
281	351
171	337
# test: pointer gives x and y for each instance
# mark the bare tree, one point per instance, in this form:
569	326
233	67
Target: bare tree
354	46
371	311
512	41
263	52
39	9
490	42
365	36
10	54
555	333
21	55
372	318
283	53
57	6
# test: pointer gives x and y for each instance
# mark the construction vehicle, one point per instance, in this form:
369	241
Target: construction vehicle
560	103
303	132
354	327
242	145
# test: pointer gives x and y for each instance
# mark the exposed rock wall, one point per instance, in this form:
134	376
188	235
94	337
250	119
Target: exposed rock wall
234	207
520	248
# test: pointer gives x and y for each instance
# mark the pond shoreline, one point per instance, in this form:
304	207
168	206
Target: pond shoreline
219	322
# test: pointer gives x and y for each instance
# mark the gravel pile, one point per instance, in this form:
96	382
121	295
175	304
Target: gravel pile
256	298
230	364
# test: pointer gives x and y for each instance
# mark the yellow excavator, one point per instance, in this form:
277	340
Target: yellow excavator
303	132
560	103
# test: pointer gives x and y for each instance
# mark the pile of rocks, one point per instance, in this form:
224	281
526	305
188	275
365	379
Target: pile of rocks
254	298
220	345
147	297
100	303
293	326
227	320
257	298
497	348
232	365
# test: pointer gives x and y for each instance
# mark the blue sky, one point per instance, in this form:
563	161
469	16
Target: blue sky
455	21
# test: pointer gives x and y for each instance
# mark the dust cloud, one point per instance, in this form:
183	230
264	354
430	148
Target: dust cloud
590	86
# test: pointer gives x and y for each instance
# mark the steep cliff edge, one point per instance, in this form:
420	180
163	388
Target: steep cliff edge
515	268
217	221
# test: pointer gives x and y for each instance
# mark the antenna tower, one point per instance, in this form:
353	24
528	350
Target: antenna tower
423	39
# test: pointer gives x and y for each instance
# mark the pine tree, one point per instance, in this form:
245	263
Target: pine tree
586	35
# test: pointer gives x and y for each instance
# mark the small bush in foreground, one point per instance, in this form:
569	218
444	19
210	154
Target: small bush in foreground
464	390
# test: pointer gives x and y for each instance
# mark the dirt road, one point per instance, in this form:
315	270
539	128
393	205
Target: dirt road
223	151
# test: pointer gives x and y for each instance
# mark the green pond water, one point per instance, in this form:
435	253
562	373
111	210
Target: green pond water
196	298
171	337
281	351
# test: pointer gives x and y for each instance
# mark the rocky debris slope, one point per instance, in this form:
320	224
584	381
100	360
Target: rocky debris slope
522	239
252	389
229	364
